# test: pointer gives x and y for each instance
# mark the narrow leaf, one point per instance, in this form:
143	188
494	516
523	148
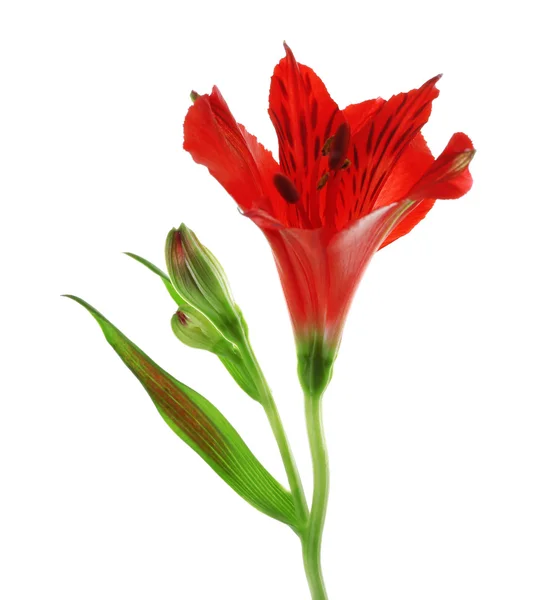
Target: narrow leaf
165	278
196	421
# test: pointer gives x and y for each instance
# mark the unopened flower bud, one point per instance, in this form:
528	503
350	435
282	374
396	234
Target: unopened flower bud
195	330
200	280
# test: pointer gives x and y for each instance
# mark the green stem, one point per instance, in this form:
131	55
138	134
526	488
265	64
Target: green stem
293	476
311	541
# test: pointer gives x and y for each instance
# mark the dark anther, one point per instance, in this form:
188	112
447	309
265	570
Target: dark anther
339	148
327	145
346	164
286	188
322	181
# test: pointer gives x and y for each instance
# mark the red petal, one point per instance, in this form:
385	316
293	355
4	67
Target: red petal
381	142
358	114
412	218
321	268
449	177
304	116
413	164
234	157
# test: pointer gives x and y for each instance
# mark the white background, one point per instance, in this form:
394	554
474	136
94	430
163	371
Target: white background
436	418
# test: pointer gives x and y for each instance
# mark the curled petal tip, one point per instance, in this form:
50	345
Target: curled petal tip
288	51
461	142
433	80
448	177
462	161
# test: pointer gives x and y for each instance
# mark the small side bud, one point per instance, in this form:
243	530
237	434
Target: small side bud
194	96
200	280
195	330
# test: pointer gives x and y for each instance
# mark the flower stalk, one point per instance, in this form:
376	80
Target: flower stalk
311	541
274	418
311	531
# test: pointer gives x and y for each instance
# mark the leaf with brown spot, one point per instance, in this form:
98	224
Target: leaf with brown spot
197	422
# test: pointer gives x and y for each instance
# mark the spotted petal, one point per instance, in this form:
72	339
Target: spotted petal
304	116
380	143
233	156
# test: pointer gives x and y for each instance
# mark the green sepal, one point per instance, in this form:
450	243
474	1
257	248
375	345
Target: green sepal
315	364
197	422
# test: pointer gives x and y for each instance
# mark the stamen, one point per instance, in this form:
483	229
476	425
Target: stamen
340	146
322	181
346	164
286	188
327	145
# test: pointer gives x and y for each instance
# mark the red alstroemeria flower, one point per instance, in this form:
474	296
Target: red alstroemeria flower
348	182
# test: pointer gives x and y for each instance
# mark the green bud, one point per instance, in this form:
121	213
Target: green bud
200	280
195	330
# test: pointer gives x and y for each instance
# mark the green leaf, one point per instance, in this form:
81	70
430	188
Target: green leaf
196	421
165	278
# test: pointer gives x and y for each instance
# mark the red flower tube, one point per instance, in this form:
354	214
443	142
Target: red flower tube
348	183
